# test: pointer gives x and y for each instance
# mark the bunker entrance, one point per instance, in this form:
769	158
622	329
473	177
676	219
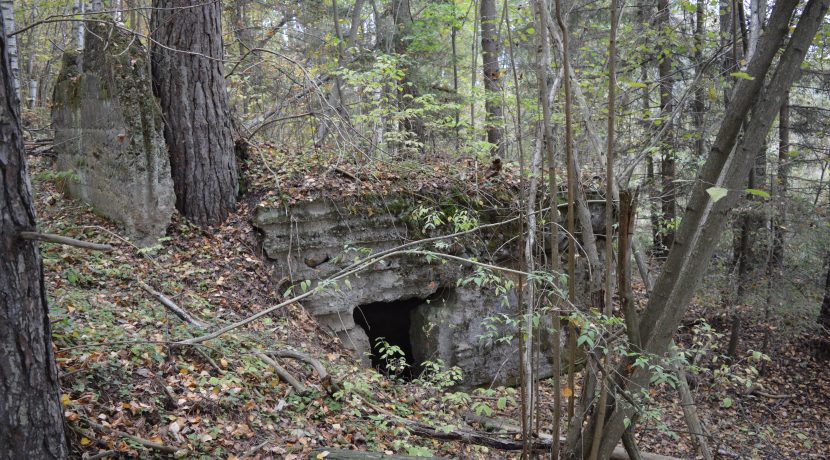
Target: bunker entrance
391	322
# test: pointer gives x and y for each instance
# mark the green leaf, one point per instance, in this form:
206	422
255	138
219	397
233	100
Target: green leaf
742	75
716	193
636	85
757	192
726	403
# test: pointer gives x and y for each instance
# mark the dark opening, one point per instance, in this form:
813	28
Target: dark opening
391	321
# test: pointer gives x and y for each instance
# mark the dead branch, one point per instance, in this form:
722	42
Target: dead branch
507	427
317	365
66	241
759	390
141	441
284	374
177	310
99	455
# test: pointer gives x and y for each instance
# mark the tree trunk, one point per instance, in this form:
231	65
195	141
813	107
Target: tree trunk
7	7
31	418
727	167
542	74
78	27
188	78
667	160
824	315
700	97
777	220
492	78
407	90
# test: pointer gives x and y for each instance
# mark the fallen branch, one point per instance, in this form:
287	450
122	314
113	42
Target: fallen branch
509	427
341	454
317	365
345	173
99	455
284	374
759	390
141	441
177	310
66	241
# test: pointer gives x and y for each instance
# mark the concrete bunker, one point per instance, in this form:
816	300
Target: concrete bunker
415	303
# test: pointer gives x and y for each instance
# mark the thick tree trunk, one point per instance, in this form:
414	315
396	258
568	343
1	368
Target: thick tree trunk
492	77
189	80
31	419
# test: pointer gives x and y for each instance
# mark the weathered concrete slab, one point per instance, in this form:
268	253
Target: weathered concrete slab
108	133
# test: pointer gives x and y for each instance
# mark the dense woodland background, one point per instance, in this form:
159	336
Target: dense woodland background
702	125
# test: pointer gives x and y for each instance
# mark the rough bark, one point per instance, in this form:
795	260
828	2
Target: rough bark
728	167
492	78
188	78
31	419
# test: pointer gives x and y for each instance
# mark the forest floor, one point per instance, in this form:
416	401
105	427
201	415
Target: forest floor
128	390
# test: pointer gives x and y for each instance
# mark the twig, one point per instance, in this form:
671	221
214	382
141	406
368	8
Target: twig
210	361
345	173
141	441
317	365
99	455
250	452
177	310
287	377
758	390
65	240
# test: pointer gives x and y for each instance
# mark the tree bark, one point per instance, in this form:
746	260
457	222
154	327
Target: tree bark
492	78
31	418
7	7
188	78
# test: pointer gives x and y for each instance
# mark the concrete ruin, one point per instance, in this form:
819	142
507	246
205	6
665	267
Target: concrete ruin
412	302
108	133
